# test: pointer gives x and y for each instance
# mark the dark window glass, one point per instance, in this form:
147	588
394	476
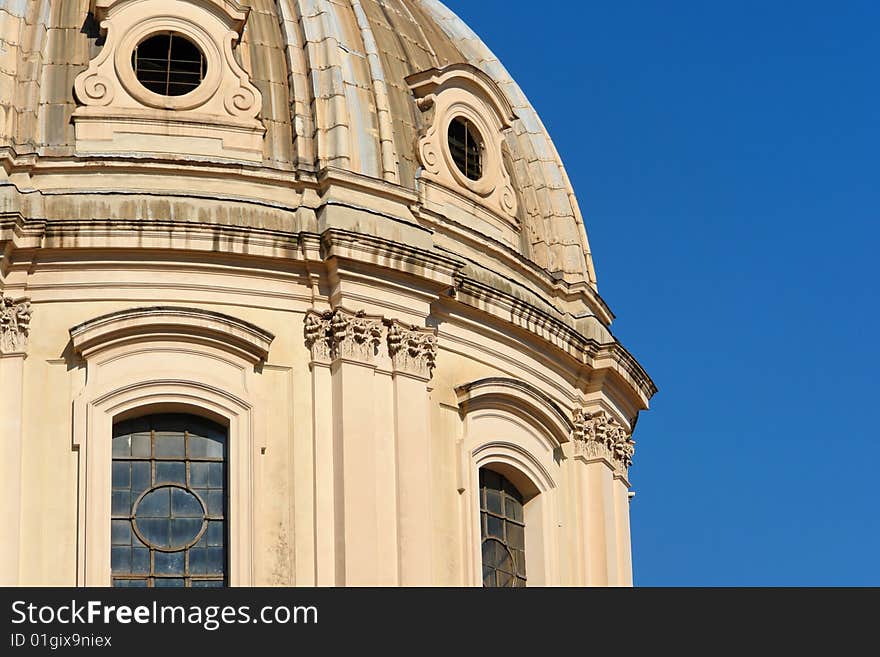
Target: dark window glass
503	531
466	148
168	502
168	64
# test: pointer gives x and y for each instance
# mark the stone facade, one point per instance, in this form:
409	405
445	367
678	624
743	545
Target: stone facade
290	251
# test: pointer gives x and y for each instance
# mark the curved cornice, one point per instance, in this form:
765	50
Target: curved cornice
519	397
163	322
234	12
428	82
598	355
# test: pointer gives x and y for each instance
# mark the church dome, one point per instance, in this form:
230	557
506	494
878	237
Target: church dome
340	88
293	184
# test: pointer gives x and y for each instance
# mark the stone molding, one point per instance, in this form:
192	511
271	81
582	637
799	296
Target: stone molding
15	323
554	330
157	322
341	334
598	435
519	398
551	331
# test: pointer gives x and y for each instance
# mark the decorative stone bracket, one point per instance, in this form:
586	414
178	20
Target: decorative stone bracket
342	334
599	435
15	321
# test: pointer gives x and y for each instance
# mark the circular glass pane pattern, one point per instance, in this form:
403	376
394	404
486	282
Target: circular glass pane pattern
466	148
497	556
169	518
169	64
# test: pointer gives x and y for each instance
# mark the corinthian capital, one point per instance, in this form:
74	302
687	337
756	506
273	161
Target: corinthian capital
342	334
15	322
599	435
413	350
316	331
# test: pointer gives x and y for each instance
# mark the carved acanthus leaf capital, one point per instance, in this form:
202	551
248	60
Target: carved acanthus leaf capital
342	334
599	435
316	331
413	350
15	322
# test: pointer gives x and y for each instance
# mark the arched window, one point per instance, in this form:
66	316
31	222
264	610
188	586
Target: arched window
168	502
503	531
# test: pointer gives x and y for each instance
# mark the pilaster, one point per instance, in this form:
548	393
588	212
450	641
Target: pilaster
327	564
603	452
413	353
15	317
371	425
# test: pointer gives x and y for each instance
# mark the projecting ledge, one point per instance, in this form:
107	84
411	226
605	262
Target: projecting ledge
223	331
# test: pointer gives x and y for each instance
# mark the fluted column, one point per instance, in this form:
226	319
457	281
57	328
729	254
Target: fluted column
15	316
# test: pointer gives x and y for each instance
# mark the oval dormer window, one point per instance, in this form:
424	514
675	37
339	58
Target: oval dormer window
466	148
169	64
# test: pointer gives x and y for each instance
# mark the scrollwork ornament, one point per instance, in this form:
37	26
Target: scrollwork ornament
426	103
430	153
96	89
508	200
243	100
91	86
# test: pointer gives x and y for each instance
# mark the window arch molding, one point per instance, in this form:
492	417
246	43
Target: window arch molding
195	33
514	429
522	399
142	361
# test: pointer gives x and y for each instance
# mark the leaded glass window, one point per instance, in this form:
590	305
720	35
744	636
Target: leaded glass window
503	531
168	525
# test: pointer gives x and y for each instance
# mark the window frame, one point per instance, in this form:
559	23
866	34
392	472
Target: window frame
178	342
169	60
472	132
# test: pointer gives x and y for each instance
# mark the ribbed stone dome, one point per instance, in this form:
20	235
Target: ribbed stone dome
333	79
341	102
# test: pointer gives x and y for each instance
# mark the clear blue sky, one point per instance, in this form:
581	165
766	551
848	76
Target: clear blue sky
725	156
